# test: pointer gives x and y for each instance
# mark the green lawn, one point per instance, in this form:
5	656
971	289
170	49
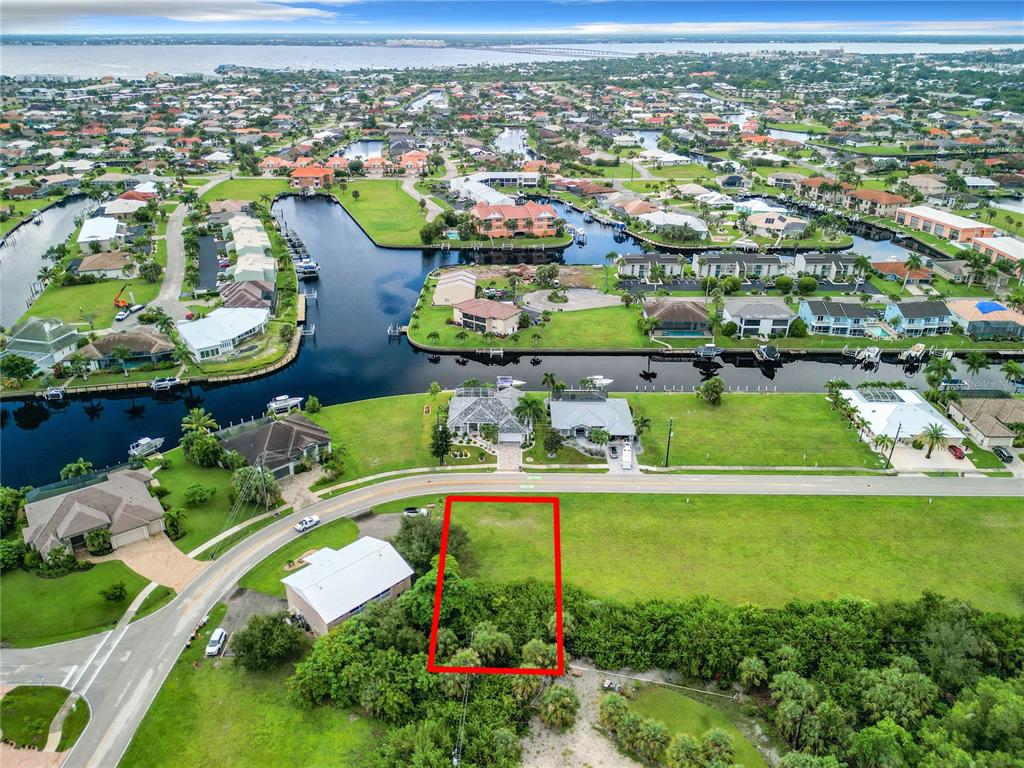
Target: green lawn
266	576
981	458
74	723
69	303
761	549
154	601
27	711
245	189
768	170
604	328
212	712
687	171
20	209
958	290
387	214
749	430
685	715
800	128
207	520
37	611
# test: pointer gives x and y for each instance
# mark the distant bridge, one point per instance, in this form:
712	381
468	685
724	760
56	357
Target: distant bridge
577	53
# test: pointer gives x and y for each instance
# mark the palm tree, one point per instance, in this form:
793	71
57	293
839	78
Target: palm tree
833	386
530	410
938	370
164	323
548	380
934	436
76	469
913	262
975	361
863	265
122	354
641	424
861	424
199	420
1013	371
77	366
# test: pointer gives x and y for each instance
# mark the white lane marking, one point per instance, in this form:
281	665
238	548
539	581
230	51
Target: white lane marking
64	682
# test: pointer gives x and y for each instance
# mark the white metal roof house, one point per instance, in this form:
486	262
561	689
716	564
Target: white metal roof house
901	412
104	230
222	330
339	583
43	340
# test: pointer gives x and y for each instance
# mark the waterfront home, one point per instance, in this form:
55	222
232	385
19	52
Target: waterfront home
746	266
832	267
253	267
901	414
985	319
311	177
928	184
43	340
505	221
332	585
875	202
781	225
231	207
415	160
101	232
758	316
756	205
576	413
249	293
487	316
898	272
638	266
835	318
103	265
248	237
950	226
677	317
278	445
479	187
785	180
989	421
119	504
122	209
454	287
472	408
954	270
997	248
143	345
919	318
823	189
660	221
222	330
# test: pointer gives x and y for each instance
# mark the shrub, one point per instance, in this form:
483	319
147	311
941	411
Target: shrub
11	553
797	329
312	404
266	641
558	707
730	328
115	593
197	494
784	283
98	542
201	449
731	284
806	285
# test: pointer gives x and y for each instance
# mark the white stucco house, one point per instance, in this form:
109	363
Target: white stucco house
222	330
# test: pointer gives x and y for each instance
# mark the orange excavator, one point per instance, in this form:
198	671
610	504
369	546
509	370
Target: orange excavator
118	301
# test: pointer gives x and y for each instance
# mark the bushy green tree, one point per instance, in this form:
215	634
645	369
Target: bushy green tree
558	707
267	640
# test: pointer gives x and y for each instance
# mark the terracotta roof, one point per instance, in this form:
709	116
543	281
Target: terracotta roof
487	308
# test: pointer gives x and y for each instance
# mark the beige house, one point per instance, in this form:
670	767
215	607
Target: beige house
454	287
336	584
487	316
987	420
108	264
121	504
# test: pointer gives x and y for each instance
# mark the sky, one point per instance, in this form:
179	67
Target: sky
508	17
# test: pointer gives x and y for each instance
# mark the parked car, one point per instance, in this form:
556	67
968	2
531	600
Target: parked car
1003	455
957	451
217	640
613	451
415	512
123	314
306	523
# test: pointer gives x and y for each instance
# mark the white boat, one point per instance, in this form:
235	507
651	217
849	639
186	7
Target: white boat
599	381
53	393
164	383
283	404
870	355
766	353
708	352
504	382
144	446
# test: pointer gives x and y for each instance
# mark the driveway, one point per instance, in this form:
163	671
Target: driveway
579	298
907	459
158	560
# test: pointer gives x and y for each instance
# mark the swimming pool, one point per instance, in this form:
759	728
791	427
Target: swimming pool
878	332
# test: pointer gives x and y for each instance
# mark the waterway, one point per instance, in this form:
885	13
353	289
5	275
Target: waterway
362	290
799	137
513	140
648	139
430	98
363	150
21	255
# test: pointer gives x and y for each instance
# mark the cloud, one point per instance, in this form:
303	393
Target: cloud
844	27
42	15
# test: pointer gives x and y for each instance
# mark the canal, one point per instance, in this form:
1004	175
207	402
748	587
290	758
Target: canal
362	290
513	140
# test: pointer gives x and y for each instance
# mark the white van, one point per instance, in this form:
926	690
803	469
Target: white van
627	455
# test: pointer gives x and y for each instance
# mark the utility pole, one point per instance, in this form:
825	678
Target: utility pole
668	445
888	461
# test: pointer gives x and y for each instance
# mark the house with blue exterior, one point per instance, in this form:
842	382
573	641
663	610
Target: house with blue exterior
920	318
834	318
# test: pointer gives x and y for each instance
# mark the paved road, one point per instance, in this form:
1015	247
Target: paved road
433	209
120	672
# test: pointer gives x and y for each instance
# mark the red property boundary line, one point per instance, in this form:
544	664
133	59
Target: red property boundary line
432	665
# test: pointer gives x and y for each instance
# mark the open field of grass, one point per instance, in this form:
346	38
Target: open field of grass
266	575
70	303
685	715
37	611
208	519
27	711
749	430
768	170
212	712
760	549
686	171
19	209
800	127
387	214
382	434
245	189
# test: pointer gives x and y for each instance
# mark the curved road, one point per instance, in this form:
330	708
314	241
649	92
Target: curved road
120	672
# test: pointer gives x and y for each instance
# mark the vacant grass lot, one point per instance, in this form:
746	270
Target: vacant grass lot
685	715
761	549
245	189
215	713
37	611
208	519
266	576
384	210
27	711
71	303
604	328
686	171
382	434
749	430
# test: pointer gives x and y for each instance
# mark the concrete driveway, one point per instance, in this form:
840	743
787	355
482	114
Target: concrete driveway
158	560
579	298
907	459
